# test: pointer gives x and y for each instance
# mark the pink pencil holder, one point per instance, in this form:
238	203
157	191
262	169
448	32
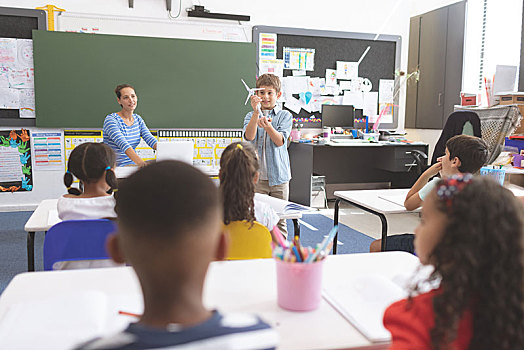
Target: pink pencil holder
299	285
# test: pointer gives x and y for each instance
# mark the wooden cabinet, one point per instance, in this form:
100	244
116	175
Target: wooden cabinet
436	45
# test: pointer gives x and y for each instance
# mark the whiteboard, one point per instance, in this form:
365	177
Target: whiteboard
153	27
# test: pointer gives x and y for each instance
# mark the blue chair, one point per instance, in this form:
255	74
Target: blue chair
77	240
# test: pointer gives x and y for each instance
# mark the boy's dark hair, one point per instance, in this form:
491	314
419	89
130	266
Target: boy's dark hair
238	167
269	80
472	152
165	200
88	162
480	262
119	88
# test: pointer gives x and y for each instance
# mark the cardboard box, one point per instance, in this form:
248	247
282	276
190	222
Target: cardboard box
513	98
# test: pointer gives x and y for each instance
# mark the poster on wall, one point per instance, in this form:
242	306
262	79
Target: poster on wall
47	149
16	173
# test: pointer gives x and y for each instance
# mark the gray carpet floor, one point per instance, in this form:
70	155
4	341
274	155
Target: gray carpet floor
13	241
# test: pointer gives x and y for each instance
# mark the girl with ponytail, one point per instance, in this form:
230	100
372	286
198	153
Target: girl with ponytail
92	164
238	177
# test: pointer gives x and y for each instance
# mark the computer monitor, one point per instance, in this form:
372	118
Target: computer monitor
338	116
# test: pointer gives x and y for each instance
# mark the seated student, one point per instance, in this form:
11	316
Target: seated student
92	164
472	232
464	154
170	229
238	177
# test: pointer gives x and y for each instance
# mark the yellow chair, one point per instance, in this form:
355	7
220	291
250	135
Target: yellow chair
248	242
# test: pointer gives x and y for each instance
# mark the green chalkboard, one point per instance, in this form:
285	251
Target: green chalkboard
180	83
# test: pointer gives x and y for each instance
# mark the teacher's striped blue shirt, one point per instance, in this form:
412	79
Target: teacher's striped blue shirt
120	137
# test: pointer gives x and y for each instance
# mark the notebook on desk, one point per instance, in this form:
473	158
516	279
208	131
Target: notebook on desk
281	206
362	300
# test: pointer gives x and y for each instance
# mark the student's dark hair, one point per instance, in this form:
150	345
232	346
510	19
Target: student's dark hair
472	152
119	88
166	200
238	167
269	80
88	162
480	262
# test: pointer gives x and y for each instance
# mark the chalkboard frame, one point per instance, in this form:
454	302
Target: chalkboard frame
11	117
312	33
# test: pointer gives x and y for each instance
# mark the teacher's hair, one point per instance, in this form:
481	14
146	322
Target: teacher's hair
120	87
238	168
88	162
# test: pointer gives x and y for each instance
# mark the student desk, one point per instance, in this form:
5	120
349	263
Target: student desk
39	222
370	201
231	286
351	163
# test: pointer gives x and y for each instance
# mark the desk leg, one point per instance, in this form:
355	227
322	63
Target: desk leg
30	251
296	226
335	222
384	231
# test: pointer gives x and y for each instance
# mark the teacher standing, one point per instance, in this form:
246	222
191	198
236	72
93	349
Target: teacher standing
122	130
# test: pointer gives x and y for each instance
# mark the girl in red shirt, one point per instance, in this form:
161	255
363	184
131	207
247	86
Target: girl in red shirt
472	232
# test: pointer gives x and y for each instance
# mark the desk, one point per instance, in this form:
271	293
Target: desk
232	286
370	201
354	164
38	222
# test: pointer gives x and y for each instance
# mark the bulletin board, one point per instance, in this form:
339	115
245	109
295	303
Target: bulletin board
382	61
16	26
208	144
16	174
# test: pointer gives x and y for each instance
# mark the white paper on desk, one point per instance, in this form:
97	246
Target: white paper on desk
363	300
370	104
58	322
505	77
281	206
272	66
331	77
8	53
295	85
394	198
355	99
293	104
52	217
9	98
385	90
347	70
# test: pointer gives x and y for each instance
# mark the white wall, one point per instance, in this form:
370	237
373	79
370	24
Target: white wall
371	16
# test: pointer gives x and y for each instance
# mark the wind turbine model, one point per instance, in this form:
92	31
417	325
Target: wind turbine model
251	92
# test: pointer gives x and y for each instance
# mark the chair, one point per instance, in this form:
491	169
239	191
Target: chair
77	240
458	123
248	242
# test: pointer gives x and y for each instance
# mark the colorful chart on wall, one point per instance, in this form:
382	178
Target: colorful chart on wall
208	144
15	161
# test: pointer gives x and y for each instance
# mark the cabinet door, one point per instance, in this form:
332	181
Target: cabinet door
454	57
432	65
412	84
